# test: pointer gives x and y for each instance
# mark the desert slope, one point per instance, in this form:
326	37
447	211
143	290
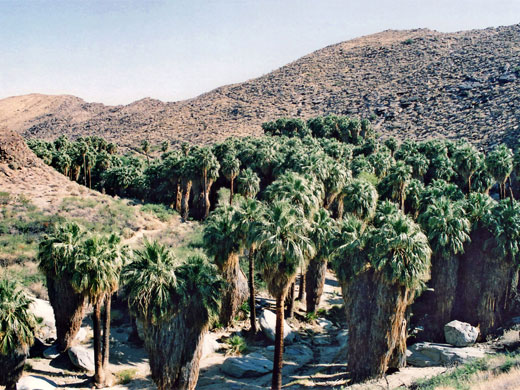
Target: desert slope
414	83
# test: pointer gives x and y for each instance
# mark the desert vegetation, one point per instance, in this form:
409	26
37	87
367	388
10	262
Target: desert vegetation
417	233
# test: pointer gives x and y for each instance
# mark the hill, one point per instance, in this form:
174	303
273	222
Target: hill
414	83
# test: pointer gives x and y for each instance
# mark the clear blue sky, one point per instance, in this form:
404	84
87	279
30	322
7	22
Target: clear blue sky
116	52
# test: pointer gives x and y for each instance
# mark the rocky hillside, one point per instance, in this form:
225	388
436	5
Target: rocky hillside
415	83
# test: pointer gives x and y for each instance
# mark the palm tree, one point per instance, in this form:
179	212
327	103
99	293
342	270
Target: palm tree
82	148
249	216
360	199
17	325
174	301
489	266
380	270
321	234
61	247
391	144
336	178
467	160
145	146
230	169
447	228
500	164
248	183
284	247
394	185
222	241
205	168
95	274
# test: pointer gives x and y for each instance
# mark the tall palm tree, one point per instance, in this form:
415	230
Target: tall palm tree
17	325
82	148
500	164
249	216
222	241
95	274
205	170
248	183
174	301
380	270
448	229
61	247
284	247
230	168
322	234
336	178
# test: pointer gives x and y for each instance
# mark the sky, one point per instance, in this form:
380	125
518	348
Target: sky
116	52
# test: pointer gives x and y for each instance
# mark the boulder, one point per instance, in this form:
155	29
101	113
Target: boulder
43	309
267	322
431	354
81	335
51	352
82	358
31	382
342	338
248	366
460	334
37	348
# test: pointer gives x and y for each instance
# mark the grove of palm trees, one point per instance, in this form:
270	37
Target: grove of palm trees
417	234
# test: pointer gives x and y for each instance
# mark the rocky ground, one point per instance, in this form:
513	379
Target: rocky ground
411	84
314	356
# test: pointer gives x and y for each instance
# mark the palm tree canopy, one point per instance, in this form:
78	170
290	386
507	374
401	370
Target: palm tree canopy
17	323
504	223
296	189
284	245
322	233
221	234
151	282
349	257
446	226
61	247
248	183
249	215
97	269
478	206
230	167
500	163
400	250
360	198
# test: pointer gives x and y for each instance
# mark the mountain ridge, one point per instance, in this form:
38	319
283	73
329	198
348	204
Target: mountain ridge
411	83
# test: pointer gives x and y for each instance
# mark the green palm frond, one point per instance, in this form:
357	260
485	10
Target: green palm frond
17	323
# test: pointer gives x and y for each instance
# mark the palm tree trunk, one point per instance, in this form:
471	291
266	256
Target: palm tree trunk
236	291
301	289
340	207
276	383
290	304
231	192
178	196
315	276
376	311
68	307
99	376
252	293
84	170
175	347
185	207
106	332
12	367
89	177
436	308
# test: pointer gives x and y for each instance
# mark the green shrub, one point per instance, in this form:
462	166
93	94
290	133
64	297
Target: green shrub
237	345
161	211
126	376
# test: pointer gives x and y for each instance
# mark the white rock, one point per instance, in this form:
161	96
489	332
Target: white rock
325	324
81	335
51	352
43	309
35	383
460	334
82	358
342	338
268	324
210	345
431	354
248	366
